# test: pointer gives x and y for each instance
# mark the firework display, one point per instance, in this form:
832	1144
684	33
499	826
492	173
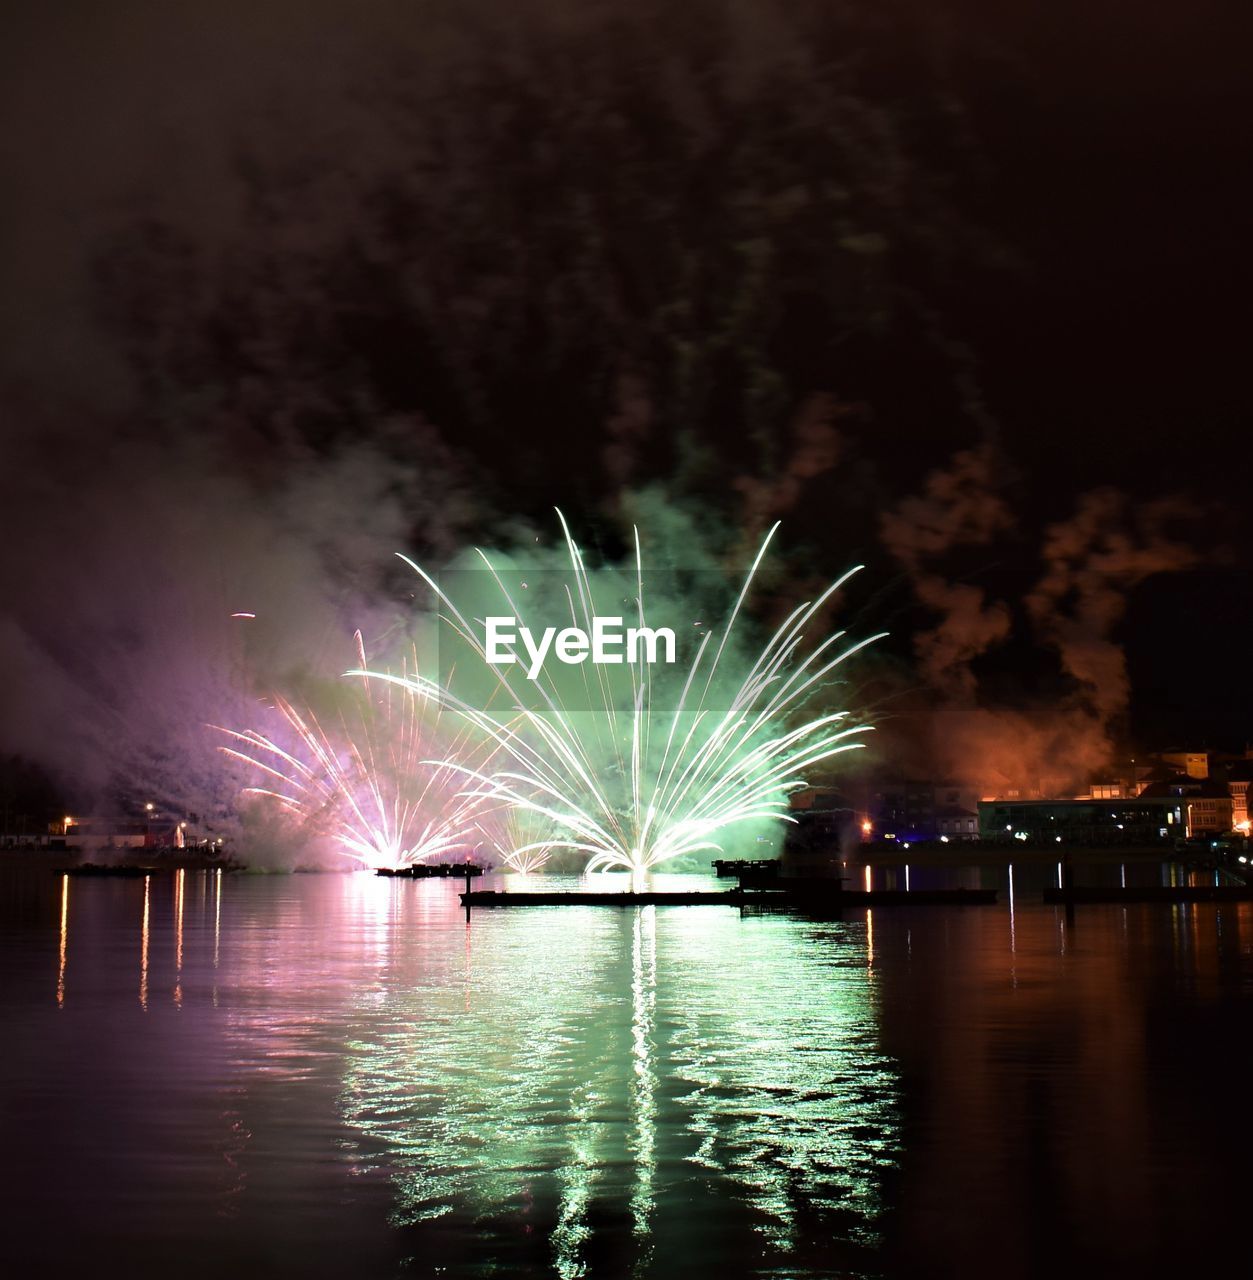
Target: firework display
628	760
371	778
633	775
522	839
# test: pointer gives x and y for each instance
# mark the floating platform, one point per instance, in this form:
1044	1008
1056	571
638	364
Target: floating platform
831	899
1153	893
577	898
769	873
734	868
435	871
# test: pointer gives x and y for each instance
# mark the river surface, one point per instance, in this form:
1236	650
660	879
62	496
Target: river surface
340	1076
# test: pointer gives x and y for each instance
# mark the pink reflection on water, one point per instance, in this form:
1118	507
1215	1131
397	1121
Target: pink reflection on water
65	937
143	947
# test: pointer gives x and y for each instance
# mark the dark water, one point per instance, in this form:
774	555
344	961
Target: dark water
337	1076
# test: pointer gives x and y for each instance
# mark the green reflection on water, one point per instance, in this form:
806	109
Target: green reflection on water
790	1098
599	1083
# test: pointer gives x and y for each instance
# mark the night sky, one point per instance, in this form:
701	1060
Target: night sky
959	289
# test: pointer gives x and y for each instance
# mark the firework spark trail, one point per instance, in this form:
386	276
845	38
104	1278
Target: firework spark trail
369	782
524	841
725	760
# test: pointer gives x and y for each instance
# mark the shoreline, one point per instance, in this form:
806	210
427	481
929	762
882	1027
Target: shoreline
967	855
155	860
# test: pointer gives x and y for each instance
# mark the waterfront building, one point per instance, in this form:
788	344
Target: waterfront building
920	810
1206	803
1239	775
1138	820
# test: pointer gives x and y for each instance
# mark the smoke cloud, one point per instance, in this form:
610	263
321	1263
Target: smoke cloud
1092	562
960	506
154	584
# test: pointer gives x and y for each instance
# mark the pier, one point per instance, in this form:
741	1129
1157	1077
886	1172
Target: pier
433	871
833	898
734	868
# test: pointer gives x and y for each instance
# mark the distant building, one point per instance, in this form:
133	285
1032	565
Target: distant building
22	838
1113	789
820	815
96	833
1195	764
1239	775
1207	805
1170	795
823	824
956	822
1142	799
921	810
1125	781
1138	820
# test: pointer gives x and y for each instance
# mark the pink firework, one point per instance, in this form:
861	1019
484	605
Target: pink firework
385	779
